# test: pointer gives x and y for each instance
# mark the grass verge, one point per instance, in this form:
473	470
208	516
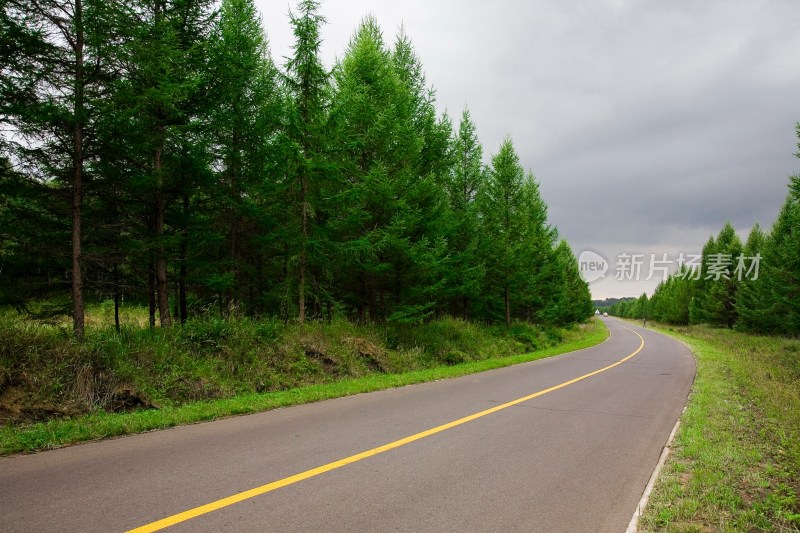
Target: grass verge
735	459
59	432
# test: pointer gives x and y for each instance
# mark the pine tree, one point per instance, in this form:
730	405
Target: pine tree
307	80
747	299
771	303
570	299
548	272
671	299
721	289
421	263
785	260
158	101
55	57
386	222
244	123
466	270
502	205
641	307
699	303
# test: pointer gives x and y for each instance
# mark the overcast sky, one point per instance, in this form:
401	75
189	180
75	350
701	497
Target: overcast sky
648	124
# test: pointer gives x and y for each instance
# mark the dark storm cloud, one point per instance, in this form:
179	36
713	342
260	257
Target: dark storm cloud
723	155
649	124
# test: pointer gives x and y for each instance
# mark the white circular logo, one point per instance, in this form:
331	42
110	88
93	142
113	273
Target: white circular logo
592	266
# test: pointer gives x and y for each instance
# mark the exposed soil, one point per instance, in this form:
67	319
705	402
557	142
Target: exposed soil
17	407
317	351
369	351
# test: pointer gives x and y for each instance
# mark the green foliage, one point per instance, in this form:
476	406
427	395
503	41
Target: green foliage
245	113
771	303
758	291
389	216
735	458
45	374
643	307
212	178
754	287
529	273
465	270
503	202
30	219
58	432
720	292
671	300
569	298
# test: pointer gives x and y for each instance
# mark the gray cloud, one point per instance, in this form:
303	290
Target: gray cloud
649	124
724	155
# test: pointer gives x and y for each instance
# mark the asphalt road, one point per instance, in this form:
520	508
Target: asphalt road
575	458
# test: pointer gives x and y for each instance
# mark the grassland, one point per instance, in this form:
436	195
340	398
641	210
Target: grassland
55	391
735	463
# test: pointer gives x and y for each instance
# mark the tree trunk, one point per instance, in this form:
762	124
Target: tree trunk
116	296
151	293
184	314
372	308
259	283
301	288
316	309
362	299
236	197
234	250
182	306
77	180
286	300
508	306
161	261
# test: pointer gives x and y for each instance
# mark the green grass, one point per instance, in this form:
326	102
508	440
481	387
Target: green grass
213	368
735	461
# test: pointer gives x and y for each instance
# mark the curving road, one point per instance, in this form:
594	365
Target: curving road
524	448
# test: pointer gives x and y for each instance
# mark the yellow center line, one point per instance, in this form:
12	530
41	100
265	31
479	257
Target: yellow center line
263	489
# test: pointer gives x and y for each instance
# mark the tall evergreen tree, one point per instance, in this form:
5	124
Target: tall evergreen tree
641	308
244	123
570	298
699	304
204	173
772	302
160	98
722	284
549	272
748	299
468	174
503	202
55	56
670	300
307	80
384	222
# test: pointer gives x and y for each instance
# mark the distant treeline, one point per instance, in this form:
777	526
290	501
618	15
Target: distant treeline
154	151
608	302
753	286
